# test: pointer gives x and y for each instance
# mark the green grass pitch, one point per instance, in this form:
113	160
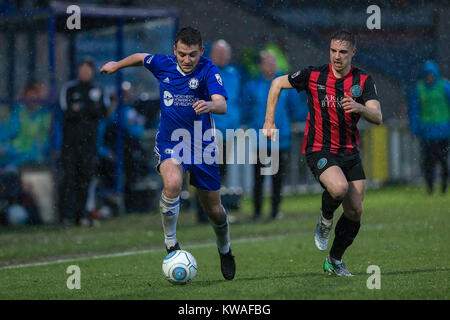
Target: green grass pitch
404	232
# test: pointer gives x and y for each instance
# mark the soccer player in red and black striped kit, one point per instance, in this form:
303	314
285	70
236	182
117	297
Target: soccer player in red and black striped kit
338	95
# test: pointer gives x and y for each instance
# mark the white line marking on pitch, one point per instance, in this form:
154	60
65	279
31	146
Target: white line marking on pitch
129	253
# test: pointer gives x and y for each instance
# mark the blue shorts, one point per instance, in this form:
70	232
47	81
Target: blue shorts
203	176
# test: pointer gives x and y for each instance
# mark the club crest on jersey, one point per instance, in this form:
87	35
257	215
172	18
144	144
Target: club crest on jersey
356	91
168	98
193	83
219	79
322	163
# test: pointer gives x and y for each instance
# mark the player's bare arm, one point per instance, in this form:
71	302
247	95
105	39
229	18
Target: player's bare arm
217	105
134	60
371	110
277	85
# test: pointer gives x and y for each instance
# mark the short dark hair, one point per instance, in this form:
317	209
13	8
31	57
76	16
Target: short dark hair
189	36
89	61
344	35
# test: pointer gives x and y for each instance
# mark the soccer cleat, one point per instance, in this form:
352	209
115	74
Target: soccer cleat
227	265
322	235
174	248
277	216
336	267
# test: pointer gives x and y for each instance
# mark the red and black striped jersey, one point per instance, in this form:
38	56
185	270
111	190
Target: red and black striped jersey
328	127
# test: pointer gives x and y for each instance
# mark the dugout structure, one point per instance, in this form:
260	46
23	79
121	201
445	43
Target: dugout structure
41	47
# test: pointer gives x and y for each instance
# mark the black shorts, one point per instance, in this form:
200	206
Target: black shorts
350	164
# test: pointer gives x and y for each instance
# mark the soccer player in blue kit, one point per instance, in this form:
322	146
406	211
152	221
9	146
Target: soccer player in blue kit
191	89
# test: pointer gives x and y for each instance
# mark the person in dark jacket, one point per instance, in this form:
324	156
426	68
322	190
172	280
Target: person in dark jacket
82	103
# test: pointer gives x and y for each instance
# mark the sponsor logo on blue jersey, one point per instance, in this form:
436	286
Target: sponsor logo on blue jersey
168	98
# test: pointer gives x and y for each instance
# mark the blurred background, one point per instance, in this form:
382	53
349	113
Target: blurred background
40	53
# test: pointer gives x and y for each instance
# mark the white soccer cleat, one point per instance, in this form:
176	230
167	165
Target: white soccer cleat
322	234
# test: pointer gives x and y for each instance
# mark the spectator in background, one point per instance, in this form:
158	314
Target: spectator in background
25	139
132	127
32	121
282	59
221	57
297	105
256	97
429	118
250	56
82	104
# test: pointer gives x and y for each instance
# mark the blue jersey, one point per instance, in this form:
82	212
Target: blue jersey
179	91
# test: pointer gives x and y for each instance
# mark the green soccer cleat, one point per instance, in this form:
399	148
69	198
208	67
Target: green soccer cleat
336	267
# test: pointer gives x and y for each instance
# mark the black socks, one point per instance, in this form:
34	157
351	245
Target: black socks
329	205
345	232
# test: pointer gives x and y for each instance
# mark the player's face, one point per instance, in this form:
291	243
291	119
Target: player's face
341	54
187	56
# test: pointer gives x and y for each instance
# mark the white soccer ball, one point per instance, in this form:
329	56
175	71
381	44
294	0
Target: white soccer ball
179	267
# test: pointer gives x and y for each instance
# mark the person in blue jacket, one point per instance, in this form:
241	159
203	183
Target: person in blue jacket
255	95
429	119
221	57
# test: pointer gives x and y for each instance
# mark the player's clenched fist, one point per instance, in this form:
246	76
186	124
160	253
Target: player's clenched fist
269	130
350	105
109	68
202	106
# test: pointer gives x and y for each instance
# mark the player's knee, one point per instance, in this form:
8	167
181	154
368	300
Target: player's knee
355	212
215	213
215	210
172	189
338	190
